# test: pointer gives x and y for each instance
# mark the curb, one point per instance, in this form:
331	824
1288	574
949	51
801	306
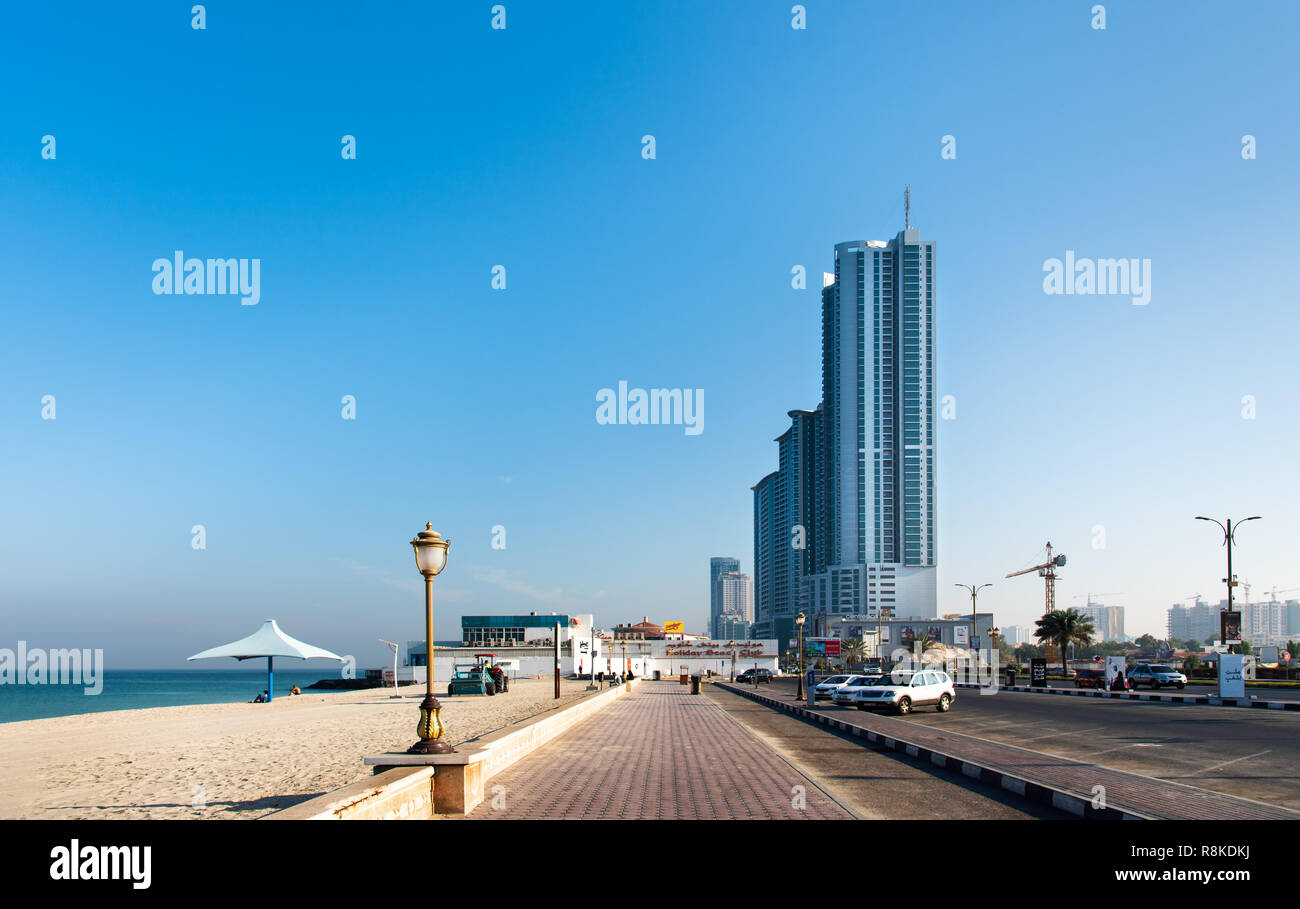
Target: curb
1194	699
1034	791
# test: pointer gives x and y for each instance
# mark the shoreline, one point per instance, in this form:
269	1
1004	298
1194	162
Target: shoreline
231	760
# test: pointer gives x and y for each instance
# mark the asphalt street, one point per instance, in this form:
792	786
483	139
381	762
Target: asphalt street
872	783
1249	753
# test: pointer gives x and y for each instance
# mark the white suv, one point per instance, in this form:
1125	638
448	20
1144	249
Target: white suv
849	690
904	689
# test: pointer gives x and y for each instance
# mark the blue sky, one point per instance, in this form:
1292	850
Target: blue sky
475	407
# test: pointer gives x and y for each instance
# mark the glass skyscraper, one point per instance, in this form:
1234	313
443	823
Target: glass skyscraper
879	397
858	474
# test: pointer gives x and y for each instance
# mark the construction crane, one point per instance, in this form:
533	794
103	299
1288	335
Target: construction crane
1046	571
1274	592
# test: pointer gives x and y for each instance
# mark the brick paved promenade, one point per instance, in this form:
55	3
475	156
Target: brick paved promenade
656	753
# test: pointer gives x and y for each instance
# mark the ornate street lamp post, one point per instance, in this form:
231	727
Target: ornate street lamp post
430	559
995	658
799	620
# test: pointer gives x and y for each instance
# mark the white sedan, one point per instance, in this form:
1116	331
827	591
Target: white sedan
845	694
828	687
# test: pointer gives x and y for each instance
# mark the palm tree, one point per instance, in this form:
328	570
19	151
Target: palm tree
1064	627
855	651
923	638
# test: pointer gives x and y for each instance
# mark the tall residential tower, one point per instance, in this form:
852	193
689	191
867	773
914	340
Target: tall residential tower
718	565
861	483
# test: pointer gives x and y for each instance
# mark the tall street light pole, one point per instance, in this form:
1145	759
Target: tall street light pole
556	645
799	620
974	592
430	559
1229	537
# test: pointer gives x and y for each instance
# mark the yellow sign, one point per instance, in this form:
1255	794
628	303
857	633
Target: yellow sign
674	627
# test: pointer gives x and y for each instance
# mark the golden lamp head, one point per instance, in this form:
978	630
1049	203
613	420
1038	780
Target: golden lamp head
430	551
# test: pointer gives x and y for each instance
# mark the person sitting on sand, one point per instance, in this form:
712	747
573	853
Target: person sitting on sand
260	699
295	690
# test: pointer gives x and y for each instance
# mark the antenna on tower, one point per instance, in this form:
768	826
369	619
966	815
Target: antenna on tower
907	206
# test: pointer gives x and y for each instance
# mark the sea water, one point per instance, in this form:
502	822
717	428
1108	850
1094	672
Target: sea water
128	689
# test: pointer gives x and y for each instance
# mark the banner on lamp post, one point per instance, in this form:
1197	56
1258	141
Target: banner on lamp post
1230	628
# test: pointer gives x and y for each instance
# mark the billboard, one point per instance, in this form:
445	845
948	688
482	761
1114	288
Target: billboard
1232	678
674	627
1230	628
1115	666
960	635
1038	673
822	646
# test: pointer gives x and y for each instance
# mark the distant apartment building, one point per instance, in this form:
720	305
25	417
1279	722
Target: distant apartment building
1107	621
732	628
1014	635
735	599
1198	622
718	565
1264	624
846	525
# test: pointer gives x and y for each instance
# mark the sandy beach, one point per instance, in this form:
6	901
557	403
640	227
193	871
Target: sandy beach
230	760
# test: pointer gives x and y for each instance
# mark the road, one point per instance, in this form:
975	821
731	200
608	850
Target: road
874	784
1252	754
1262	692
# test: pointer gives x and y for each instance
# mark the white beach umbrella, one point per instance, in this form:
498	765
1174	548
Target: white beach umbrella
270	642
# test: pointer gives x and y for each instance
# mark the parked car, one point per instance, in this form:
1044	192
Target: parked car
764	675
1090	678
1155	675
904	690
824	690
847	691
